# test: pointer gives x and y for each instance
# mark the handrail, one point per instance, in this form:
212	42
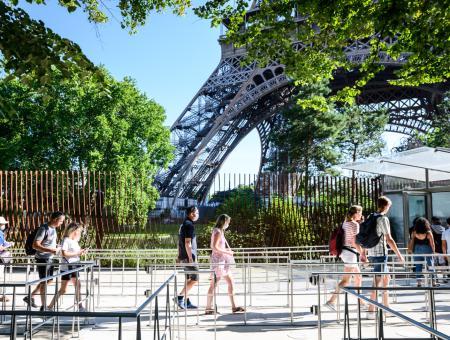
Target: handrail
136	314
380	306
126	314
81	267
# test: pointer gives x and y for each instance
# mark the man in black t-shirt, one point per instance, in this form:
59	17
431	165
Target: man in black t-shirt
187	253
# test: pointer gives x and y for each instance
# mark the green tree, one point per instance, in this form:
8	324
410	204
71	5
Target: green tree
305	137
326	28
30	51
77	126
361	134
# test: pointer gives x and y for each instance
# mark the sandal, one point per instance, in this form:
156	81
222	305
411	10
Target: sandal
238	310
209	311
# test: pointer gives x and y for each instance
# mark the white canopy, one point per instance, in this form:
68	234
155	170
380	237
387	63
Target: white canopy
411	164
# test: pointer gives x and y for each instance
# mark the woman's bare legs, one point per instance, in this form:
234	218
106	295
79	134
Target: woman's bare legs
230	283
212	286
344	282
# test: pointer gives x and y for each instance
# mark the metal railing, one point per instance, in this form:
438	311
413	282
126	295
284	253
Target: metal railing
120	315
431	330
272	267
319	280
27	285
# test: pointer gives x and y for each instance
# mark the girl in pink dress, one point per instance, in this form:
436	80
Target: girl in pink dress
221	258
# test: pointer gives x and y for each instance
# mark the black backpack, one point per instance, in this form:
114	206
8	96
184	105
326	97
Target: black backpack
368	237
29	250
437	241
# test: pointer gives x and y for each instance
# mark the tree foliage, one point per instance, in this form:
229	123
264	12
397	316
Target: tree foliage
30	50
305	137
361	133
78	126
326	28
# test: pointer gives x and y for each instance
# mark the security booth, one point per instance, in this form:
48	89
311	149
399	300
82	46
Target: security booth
418	183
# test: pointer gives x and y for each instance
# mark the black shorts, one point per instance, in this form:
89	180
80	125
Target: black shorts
193	276
67	277
47	270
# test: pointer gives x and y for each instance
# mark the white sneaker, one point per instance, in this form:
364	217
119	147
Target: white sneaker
330	306
370	315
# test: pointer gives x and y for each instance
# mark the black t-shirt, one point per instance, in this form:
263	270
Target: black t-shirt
187	230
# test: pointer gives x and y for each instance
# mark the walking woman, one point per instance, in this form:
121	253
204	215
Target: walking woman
221	258
421	243
71	252
351	253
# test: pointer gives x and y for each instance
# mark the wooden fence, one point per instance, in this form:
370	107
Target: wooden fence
270	209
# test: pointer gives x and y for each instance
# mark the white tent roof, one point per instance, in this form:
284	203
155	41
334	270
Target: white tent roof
411	164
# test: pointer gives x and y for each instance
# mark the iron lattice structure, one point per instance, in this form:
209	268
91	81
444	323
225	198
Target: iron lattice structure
237	99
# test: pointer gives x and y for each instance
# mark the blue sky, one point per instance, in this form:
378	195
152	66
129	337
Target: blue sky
170	58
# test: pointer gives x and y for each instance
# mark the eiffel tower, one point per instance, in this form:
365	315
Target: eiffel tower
237	99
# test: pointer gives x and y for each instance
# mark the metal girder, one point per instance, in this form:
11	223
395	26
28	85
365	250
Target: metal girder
237	98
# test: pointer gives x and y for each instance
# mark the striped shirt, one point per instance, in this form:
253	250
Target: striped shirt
351	229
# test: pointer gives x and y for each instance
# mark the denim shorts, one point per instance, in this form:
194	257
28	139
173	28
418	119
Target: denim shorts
379	263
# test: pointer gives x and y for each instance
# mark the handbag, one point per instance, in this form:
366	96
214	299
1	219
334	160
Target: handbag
5	257
229	259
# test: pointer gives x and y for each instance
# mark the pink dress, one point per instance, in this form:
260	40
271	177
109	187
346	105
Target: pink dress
219	261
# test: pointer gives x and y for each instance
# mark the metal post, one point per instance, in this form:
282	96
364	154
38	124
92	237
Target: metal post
98	282
151	291
430	306
91	292
346	318
338	302
185	309
319	316
138	328
245	293
380	324
198	298
57	306
291	281
175	305
137	280
359	313
250	284
278	272
123	273
13	317
120	328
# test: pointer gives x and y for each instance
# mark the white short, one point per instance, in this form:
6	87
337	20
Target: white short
349	258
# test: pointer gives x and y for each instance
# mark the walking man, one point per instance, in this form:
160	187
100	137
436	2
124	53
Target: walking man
45	246
187	253
378	254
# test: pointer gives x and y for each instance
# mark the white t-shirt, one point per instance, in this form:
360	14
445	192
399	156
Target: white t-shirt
446	237
73	247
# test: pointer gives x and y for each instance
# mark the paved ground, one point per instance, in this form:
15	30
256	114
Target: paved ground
268	315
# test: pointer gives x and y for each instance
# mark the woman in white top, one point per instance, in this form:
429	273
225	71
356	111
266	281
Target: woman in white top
71	252
351	253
